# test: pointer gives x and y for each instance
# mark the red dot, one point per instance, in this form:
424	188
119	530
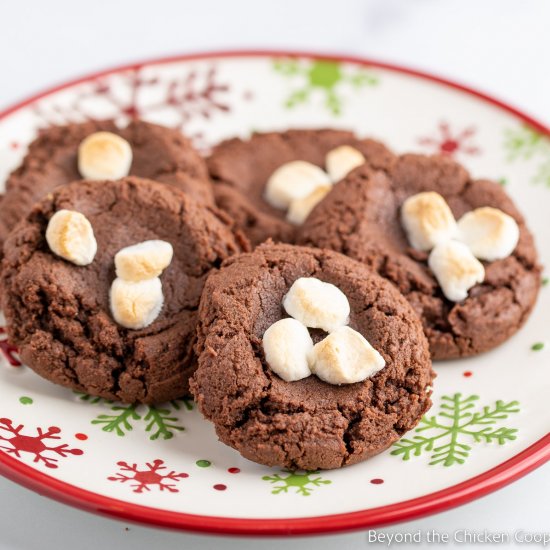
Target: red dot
377	481
14	145
82	437
220	487
449	146
467	373
233	470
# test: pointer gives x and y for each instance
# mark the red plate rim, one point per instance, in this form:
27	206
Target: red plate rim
510	470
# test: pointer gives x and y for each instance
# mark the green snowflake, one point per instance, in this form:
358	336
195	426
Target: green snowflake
455	424
323	76
524	143
302	482
120	422
159	422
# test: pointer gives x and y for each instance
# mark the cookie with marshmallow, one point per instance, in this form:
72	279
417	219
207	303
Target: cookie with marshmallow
271	182
308	359
102	281
101	150
456	247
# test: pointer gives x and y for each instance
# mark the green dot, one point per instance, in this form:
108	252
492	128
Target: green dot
25	400
503	181
544	281
538	346
203	463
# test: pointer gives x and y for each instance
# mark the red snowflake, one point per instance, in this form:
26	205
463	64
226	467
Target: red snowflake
9	351
450	143
35	445
129	106
127	95
149	476
197	95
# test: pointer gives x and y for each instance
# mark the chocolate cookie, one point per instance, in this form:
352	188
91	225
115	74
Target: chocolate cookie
305	424
240	169
159	153
361	218
59	315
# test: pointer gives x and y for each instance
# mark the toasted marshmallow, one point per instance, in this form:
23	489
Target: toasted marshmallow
136	305
294	180
345	357
300	209
144	260
104	156
342	160
456	269
427	220
287	345
317	304
489	232
70	235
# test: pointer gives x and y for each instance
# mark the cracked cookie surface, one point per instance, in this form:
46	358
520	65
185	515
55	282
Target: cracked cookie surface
360	217
240	169
58	313
159	153
307	424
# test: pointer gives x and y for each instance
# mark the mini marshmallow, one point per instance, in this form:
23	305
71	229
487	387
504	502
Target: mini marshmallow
342	160
456	269
136	305
345	357
489	232
70	235
317	304
294	180
104	156
428	220
287	345
144	260
300	209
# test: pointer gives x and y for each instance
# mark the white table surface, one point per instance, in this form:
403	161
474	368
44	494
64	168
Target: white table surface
501	47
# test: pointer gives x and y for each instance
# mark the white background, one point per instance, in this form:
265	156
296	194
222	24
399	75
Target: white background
501	47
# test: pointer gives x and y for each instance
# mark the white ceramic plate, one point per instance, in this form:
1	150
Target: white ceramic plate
163	465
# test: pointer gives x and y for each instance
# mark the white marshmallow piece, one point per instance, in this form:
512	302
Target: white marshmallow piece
104	156
345	357
301	208
287	345
342	160
489	232
70	235
294	180
144	260
317	304
456	269
427	220
136	305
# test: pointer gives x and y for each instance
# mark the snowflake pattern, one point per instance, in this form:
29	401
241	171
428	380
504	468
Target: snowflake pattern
321	76
159	421
8	350
174	101
199	94
152	475
448	142
302	482
35	445
524	143
454	424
